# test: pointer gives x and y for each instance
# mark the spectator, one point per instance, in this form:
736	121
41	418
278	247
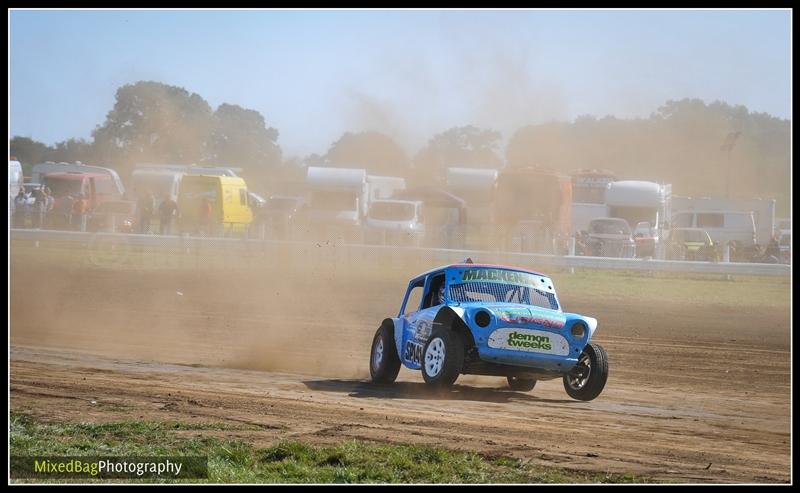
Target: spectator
773	251
206	212
79	212
166	212
64	210
19	209
146	208
49	206
40	207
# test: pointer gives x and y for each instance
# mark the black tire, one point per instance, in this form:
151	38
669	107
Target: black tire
587	379
442	358
521	384
384	364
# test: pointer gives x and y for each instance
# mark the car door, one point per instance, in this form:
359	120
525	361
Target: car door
418	324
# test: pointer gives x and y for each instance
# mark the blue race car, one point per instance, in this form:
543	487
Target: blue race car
482	319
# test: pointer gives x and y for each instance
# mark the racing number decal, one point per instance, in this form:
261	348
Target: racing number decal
413	352
417	332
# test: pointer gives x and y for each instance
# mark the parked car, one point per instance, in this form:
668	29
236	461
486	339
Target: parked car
489	320
395	222
610	237
645	239
692	244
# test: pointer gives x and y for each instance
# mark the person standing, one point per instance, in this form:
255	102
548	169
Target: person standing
65	211
50	204
79	212
146	209
206	212
19	209
38	206
166	213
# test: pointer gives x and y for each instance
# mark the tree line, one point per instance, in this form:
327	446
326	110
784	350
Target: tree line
702	149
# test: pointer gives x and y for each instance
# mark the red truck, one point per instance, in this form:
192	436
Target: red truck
95	188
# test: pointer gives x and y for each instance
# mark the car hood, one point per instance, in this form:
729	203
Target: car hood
524	316
603	236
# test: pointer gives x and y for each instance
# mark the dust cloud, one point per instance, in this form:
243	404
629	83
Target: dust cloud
262	315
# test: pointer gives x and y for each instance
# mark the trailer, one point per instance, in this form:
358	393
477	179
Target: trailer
338	203
384	187
763	211
192	169
15	181
642	203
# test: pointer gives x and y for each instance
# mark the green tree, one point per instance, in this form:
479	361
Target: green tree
72	150
154	122
28	152
240	138
686	143
374	151
466	147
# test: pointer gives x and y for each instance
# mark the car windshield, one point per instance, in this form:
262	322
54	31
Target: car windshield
502	286
61	187
392	211
609	227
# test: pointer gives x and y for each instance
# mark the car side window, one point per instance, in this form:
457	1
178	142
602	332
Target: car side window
682	221
414	298
432	297
710	221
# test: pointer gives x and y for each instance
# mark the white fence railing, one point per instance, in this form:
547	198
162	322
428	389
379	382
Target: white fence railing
438	256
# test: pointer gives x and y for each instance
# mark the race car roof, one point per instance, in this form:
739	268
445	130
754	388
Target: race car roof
480	266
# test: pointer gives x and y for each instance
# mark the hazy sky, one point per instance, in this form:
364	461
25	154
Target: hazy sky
315	74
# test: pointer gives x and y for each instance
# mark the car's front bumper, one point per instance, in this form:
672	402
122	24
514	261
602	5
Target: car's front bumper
531	347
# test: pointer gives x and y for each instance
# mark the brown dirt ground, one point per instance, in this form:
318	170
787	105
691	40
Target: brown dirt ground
288	353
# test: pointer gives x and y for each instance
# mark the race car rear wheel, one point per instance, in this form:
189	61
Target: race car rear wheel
587	379
384	364
443	358
521	384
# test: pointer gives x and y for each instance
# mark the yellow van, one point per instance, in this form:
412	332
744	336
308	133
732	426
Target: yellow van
213	205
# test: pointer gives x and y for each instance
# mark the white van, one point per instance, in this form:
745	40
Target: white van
722	226
14	182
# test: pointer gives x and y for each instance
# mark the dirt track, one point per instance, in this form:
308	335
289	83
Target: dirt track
693	395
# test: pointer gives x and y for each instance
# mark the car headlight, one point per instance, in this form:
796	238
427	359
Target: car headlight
483	319
577	330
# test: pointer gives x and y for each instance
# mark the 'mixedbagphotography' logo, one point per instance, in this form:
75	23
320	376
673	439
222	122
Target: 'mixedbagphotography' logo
109	467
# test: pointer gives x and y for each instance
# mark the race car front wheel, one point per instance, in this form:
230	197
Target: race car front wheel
587	379
521	384
384	364
443	358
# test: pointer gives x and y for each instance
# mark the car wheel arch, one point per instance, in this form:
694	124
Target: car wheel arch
448	319
395	325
